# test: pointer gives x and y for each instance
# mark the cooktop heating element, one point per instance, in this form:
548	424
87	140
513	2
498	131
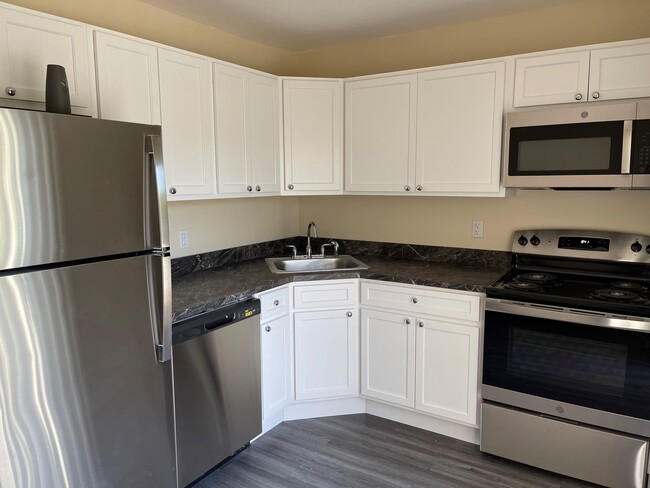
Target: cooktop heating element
584	269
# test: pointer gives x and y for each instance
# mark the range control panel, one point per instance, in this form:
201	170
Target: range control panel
583	244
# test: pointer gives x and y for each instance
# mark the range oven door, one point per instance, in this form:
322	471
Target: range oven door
574	365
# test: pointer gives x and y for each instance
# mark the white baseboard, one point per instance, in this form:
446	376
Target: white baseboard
324	408
427	422
268	424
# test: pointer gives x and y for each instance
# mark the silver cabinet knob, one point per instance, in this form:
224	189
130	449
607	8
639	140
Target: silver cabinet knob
276	302
578	96
418	188
414	300
421	324
258	188
595	95
267	328
172	190
407	188
249	188
291	187
11	91
407	321
349	314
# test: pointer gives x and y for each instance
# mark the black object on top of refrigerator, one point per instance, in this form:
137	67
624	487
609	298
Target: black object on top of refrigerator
85	315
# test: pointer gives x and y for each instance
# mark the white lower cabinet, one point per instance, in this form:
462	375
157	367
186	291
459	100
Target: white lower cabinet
276	365
388	357
446	369
326	353
275	337
423	361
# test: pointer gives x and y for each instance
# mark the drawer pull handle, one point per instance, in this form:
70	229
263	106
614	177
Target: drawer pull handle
276	302
349	314
267	328
421	324
414	300
407	321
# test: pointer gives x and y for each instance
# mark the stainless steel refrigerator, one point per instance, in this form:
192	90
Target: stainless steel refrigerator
86	394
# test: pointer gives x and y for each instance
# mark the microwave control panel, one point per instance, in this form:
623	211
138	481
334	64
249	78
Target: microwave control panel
640	163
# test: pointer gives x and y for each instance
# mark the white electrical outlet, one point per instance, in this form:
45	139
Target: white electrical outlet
477	229
183	239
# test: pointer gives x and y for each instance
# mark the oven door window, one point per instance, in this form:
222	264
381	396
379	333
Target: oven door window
567	149
595	367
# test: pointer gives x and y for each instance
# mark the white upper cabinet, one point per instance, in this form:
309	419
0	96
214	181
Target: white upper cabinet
380	117
551	78
28	43
312	136
606	73
459	117
247	131
620	72
187	124
127	79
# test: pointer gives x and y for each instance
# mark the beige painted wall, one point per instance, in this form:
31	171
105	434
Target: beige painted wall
447	221
589	22
220	224
148	22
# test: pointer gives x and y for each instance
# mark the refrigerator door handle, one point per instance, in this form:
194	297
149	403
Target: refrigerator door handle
154	148
160	292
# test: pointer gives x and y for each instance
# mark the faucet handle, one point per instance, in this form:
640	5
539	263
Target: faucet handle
332	244
294	249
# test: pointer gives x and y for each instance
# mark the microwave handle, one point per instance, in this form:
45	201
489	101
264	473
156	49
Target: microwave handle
627	147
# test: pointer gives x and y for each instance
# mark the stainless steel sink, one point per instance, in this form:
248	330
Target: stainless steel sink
314	265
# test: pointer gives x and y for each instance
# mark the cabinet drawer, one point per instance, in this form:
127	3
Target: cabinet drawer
326	295
421	301
275	303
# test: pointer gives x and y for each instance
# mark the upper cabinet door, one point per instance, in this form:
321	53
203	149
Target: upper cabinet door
551	78
459	129
620	72
187	124
127	79
231	119
28	43
312	136
380	117
264	134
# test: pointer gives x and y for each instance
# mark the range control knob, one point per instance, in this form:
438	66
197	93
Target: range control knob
636	247
647	249
535	241
522	240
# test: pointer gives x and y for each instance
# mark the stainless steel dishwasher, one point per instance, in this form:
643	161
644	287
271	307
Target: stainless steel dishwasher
217	392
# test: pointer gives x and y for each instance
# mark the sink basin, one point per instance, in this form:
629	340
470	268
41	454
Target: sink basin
314	265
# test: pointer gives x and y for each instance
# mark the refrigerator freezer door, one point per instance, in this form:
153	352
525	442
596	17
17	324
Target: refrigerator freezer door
73	188
83	399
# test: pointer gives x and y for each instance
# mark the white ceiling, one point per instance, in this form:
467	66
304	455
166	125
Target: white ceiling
302	25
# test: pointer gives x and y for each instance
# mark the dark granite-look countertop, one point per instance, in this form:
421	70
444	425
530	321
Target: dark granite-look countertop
203	291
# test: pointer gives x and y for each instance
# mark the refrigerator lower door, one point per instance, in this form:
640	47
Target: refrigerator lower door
84	402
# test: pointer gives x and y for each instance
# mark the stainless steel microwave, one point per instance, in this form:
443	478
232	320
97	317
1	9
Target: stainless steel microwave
590	146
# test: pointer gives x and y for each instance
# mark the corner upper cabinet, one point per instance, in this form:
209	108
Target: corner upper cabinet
459	116
187	125
312	115
127	79
31	41
380	118
551	78
247	131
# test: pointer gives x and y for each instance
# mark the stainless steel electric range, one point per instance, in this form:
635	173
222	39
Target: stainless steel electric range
566	358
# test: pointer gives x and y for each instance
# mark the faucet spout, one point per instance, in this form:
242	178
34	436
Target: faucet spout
311	226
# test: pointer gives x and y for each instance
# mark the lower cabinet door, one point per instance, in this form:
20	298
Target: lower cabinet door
388	357
326	354
447	370
276	365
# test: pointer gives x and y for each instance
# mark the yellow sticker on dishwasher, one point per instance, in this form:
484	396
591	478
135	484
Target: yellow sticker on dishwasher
248	313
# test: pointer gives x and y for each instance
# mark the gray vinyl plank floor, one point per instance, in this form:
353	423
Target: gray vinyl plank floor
365	451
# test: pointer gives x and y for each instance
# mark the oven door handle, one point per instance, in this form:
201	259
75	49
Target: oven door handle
562	314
